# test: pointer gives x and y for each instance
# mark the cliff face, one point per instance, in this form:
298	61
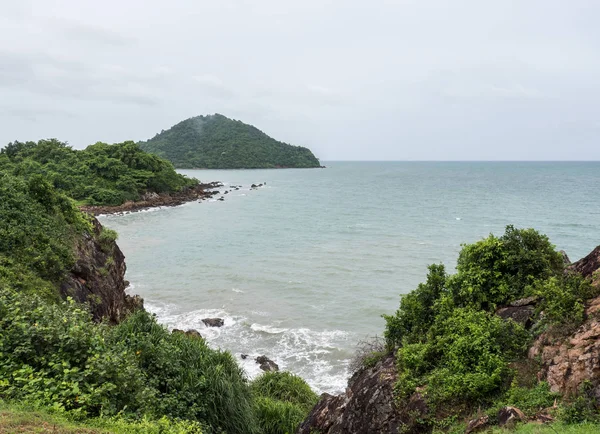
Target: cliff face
98	278
567	362
367	406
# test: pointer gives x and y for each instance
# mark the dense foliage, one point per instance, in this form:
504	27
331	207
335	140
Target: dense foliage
54	356
450	344
101	174
38	227
217	142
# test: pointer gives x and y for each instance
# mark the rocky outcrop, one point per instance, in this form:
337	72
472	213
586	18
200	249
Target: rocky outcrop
589	266
267	364
568	362
366	407
521	311
213	322
98	278
153	200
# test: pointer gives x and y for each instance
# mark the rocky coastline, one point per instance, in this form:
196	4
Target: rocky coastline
199	192
566	361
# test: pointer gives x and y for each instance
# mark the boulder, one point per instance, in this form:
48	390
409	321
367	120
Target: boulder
267	364
213	322
521	314
244	356
588	266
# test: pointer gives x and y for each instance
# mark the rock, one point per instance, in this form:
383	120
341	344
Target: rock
244	356
568	362
588	266
213	322
521	314
508	416
525	301
477	424
193	334
98	278
367	406
254	186
221	198
226	192
174	331
153	200
267	364
565	257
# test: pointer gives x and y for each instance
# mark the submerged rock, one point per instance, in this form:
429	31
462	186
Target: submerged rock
213	322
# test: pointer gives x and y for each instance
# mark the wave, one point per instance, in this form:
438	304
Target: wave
318	356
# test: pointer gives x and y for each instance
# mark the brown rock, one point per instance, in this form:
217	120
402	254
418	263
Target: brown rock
566	363
367	406
98	278
193	334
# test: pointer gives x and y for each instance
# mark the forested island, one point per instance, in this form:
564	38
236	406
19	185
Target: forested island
510	338
217	142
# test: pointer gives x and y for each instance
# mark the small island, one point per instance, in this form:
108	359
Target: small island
217	142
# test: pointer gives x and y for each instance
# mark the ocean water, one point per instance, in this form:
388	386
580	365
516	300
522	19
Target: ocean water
303	268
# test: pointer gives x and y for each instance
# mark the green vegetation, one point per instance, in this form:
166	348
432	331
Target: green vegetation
38	227
217	142
453	349
101	174
132	377
282	401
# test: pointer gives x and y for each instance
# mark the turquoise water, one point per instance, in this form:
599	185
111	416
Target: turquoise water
303	268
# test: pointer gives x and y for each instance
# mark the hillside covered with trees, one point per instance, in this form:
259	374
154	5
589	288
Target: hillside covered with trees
101	174
217	142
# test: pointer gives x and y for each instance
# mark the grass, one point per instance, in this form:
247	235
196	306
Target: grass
15	418
555	428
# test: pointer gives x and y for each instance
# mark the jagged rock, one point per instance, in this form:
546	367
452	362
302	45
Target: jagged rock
267	364
98	278
244	356
175	331
508	416
566	363
477	424
366	407
529	301
565	257
213	322
253	186
589	266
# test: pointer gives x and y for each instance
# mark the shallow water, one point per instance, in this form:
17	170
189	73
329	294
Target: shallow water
303	268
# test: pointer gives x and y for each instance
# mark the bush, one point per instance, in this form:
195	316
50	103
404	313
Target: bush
282	401
368	353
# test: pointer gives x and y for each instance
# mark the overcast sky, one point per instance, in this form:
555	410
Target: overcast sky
377	80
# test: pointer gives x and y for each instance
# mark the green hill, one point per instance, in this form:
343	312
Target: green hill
217	142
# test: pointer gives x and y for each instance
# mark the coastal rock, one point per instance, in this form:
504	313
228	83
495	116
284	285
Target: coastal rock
193	333
213	322
98	278
367	406
568	362
520	314
267	364
153	200
565	257
244	356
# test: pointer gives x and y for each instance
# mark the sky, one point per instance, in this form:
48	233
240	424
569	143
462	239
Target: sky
352	80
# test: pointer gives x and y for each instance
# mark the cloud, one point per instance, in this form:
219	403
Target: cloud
213	86
84	33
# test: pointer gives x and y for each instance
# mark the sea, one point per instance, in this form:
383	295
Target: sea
303	268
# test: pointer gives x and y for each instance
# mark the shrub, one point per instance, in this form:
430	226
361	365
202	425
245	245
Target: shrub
368	353
282	401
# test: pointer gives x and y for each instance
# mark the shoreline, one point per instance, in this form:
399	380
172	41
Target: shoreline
200	192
